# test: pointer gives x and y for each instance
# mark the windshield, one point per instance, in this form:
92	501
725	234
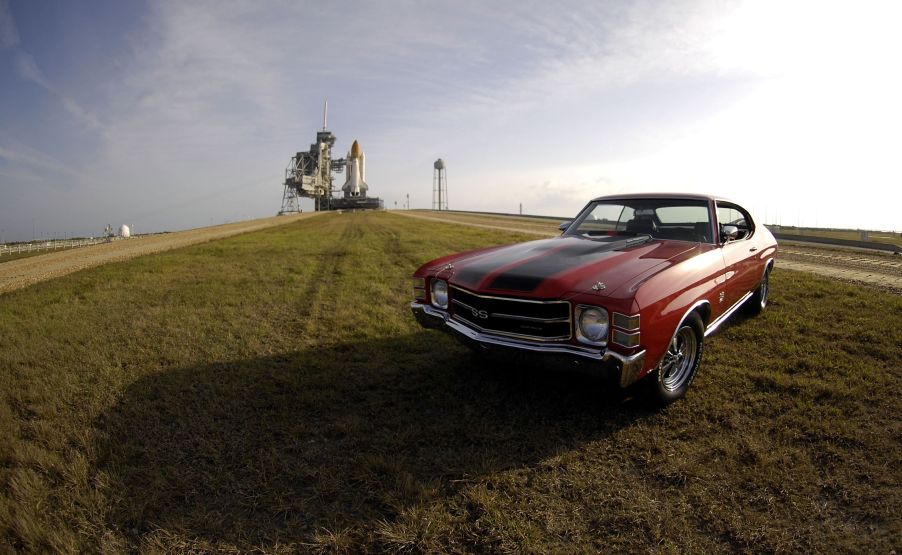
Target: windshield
676	219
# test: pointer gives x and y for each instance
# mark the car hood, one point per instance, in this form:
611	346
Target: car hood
554	267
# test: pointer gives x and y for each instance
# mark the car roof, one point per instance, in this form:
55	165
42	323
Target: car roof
693	196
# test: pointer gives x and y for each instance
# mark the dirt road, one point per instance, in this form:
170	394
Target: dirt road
16	274
876	269
883	270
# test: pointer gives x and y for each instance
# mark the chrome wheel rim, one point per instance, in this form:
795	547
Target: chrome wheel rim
679	359
764	290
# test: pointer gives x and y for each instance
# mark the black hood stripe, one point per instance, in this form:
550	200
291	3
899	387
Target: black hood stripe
528	276
474	272
540	262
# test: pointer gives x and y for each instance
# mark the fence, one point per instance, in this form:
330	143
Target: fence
16	248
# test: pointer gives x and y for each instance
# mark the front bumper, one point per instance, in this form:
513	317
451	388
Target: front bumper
626	369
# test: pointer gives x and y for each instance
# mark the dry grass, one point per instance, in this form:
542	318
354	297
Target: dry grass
19	255
271	392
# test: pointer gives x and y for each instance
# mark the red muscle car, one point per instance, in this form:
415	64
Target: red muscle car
631	288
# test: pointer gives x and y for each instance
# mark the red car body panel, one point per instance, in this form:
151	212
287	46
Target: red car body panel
661	280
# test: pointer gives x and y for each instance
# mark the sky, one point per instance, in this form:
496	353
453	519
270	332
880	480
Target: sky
169	115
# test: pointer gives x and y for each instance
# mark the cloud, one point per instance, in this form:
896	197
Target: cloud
528	101
9	35
570	55
25	156
28	69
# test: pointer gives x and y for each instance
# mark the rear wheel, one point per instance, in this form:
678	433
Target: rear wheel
680	363
758	301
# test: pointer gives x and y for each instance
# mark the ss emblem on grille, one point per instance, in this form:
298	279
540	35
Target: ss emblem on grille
480	314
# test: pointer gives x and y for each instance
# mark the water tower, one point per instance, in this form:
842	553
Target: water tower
439	186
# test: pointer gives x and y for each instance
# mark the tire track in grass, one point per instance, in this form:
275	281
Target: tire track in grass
315	300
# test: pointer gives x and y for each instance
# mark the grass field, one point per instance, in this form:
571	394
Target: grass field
271	392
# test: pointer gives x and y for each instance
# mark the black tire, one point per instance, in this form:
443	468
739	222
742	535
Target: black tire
671	380
758	301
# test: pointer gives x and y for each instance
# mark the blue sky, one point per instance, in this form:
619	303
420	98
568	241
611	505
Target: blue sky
169	115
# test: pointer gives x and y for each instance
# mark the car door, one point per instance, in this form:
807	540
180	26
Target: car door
740	254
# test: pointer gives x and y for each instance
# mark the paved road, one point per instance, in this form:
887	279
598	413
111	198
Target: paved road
23	272
877	269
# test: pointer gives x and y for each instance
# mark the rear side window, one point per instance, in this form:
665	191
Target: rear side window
730	214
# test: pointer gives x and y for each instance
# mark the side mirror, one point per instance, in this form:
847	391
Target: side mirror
564	226
729	233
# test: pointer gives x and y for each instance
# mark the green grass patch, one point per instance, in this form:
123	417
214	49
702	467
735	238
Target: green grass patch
271	392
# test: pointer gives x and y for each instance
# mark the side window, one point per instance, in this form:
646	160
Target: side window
730	214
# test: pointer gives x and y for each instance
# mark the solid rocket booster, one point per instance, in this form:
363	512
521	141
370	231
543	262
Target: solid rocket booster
356	185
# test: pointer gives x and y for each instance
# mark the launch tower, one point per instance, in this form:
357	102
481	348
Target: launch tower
309	175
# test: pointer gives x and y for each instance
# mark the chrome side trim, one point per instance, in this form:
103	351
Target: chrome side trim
712	327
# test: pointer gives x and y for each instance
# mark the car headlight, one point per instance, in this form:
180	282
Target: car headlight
440	293
592	325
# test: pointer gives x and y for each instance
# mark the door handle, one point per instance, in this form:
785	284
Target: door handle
753	249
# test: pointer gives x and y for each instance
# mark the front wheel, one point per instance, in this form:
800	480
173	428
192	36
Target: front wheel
758	301
677	369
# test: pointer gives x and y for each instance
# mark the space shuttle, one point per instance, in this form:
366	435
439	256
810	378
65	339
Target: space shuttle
355	186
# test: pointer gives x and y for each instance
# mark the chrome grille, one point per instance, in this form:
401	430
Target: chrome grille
529	319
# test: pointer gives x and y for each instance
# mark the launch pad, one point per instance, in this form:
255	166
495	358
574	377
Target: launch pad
309	175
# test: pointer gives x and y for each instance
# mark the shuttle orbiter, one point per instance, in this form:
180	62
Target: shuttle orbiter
355	186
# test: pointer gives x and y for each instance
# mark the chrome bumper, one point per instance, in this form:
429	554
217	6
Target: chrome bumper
627	368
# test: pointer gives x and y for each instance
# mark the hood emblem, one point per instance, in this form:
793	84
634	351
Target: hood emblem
448	266
599	286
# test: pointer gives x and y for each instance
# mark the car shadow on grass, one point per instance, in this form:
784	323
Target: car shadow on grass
272	450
